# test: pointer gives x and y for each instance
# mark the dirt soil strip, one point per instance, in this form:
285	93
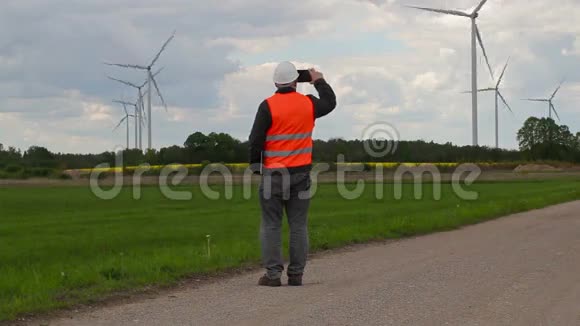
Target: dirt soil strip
520	270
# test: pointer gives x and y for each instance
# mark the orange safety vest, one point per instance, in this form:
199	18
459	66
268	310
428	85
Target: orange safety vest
289	139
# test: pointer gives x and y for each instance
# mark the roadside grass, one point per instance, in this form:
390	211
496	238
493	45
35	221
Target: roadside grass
63	246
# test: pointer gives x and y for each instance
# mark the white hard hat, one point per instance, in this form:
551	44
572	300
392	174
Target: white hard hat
285	73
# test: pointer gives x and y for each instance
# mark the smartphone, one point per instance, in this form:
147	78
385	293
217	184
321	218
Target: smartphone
304	76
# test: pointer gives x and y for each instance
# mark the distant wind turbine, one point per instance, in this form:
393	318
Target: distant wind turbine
475	37
137	116
124	119
140	103
150	80
498	96
550	100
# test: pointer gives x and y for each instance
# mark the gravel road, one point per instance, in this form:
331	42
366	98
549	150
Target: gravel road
520	270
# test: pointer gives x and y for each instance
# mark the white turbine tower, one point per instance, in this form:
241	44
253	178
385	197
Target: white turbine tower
550	100
124	119
475	37
140	103
150	80
498	96
138	117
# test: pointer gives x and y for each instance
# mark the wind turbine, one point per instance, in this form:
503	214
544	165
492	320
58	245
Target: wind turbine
125	119
150	80
551	106
137	117
475	37
140	102
498	96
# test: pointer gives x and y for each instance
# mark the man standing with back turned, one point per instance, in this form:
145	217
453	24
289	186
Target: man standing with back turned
281	151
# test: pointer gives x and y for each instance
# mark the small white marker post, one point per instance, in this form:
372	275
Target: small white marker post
208	237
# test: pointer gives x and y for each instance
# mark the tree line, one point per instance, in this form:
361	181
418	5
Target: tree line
544	139
539	139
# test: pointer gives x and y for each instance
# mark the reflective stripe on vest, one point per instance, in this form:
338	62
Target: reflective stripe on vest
289	138
287	153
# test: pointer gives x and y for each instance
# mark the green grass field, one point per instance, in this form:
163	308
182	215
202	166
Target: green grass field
61	246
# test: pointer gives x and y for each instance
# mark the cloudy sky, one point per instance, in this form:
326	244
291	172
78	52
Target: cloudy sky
385	62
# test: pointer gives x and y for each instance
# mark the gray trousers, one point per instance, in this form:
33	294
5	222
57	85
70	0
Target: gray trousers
292	194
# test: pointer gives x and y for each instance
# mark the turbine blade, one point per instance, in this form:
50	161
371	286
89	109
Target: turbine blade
159	93
503	72
126	66
142	104
139	102
123	102
442	11
483	49
125	108
143	113
142	108
478	8
556	91
505	102
534	100
158	71
162	49
120	123
123	82
554	109
480	90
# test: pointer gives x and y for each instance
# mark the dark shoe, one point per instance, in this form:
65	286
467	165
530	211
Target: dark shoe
295	280
266	281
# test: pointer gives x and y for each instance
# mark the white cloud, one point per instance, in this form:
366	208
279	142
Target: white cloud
446	52
427	81
97	112
574	49
250	45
